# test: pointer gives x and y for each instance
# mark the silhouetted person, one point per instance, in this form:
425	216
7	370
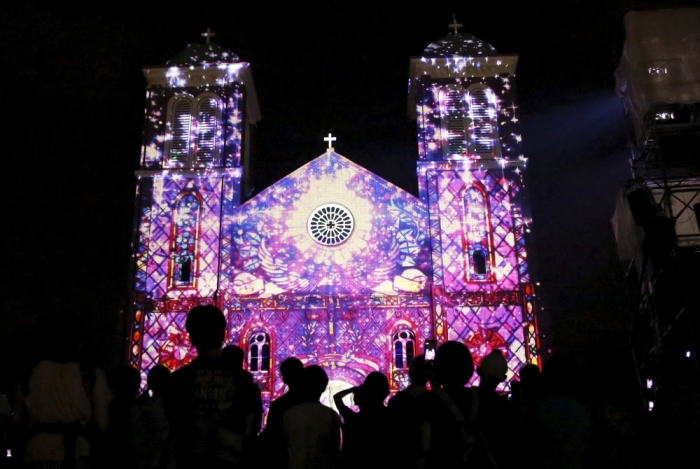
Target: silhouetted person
526	394
419	375
211	418
233	357
150	434
65	402
311	430
496	414
272	438
450	435
364	432
158	381
404	411
530	383
561	417
124	382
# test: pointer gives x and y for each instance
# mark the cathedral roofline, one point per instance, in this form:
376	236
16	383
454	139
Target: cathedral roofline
198	53
457	43
463	66
207	75
329	156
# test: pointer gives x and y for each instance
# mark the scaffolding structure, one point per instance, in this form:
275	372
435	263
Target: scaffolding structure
657	219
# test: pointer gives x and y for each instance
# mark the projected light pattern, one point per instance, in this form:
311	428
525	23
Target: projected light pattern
470	174
154	263
184	237
478	234
461	44
500	112
481	284
333	264
387	250
349	335
227	143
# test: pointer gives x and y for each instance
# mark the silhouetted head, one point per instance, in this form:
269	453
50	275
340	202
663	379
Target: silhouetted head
530	381
233	356
373	391
158	380
125	382
206	326
313	382
453	365
291	370
492	369
419	370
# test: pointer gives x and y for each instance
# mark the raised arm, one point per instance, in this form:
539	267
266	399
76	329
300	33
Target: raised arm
340	405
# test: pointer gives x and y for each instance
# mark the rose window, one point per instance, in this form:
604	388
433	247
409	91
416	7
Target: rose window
330	224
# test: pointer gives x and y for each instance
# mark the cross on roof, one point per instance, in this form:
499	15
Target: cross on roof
455	25
330	139
208	34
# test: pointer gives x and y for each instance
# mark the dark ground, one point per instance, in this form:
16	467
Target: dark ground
74	94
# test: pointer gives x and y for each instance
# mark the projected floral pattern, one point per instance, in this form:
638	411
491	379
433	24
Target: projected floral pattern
387	250
355	289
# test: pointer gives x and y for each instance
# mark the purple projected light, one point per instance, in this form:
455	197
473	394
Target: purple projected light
333	264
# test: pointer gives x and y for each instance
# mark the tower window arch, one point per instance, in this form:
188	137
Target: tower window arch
259	351
184	240
403	347
194	128
478	236
208	129
180	129
455	120
482	114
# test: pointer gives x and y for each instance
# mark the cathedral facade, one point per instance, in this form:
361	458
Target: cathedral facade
332	264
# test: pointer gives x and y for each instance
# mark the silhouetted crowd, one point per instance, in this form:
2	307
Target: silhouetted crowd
209	414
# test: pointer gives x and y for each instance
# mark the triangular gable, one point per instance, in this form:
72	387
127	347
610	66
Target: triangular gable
275	251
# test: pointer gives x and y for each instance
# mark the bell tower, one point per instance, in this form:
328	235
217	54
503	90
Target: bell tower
200	108
470	173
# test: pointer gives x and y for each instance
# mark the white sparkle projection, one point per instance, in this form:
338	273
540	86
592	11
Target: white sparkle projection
333	264
471	176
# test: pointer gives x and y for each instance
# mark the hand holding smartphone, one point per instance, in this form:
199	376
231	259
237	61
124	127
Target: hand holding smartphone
430	348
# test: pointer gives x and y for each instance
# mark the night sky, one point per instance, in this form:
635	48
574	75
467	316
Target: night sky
73	97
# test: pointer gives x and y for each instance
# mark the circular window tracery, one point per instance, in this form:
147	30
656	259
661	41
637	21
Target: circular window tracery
330	224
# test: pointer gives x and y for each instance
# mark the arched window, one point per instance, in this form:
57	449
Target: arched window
184	240
208	116
259	351
180	127
193	129
455	122
404	347
478	237
482	113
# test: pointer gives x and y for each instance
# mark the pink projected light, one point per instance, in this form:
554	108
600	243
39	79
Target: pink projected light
333	264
